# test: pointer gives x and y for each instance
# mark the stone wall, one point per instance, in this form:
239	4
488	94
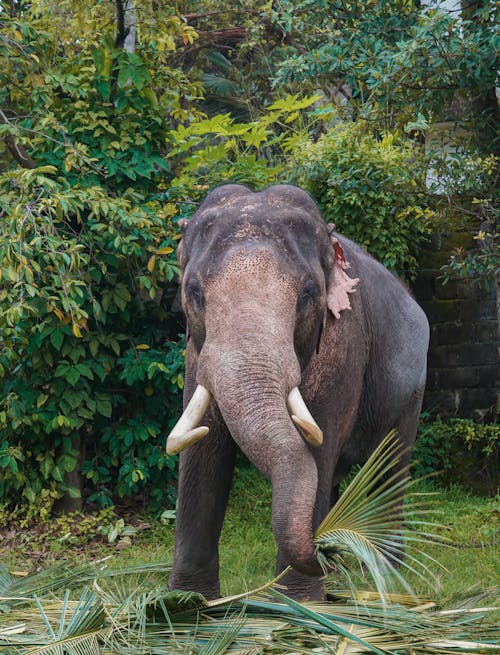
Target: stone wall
463	365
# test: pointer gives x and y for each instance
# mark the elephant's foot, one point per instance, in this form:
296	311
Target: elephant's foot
303	587
202	581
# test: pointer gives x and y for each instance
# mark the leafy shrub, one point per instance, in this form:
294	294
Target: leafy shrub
461	450
57	533
372	189
90	357
219	150
470	185
90	370
391	59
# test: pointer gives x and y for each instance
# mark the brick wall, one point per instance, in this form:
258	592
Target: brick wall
463	365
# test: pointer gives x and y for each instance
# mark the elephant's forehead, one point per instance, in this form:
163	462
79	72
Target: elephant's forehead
232	204
252	273
248	261
251	263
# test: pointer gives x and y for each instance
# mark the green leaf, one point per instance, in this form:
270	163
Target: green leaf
73	375
67	463
103	85
29	493
86	371
57	473
124	75
104	407
46	466
99	58
41	400
94	347
292	103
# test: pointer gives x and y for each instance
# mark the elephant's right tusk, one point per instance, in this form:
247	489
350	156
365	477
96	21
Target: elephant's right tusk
186	431
302	418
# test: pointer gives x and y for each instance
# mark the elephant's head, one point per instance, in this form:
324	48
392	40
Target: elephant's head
260	271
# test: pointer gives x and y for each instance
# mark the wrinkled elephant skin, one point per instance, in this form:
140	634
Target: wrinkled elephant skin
276	300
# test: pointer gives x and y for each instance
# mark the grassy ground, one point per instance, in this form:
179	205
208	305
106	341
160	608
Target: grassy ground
247	544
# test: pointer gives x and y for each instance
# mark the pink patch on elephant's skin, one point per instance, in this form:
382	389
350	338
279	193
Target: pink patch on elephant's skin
337	297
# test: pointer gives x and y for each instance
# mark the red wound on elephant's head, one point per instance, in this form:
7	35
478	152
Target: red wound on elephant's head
339	254
340	284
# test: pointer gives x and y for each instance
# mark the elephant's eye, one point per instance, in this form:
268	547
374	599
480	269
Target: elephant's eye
310	292
194	294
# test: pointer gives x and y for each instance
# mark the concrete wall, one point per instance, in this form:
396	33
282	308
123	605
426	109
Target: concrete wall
463	366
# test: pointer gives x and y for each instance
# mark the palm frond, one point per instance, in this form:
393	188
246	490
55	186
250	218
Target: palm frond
218	60
367	524
221	86
77	627
156	621
15	590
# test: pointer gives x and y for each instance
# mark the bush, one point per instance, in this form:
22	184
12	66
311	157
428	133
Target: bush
372	189
461	450
90	369
90	356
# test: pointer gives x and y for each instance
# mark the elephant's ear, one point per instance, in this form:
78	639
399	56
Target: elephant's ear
339	283
181	248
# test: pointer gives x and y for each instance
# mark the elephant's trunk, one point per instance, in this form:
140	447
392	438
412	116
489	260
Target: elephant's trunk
251	396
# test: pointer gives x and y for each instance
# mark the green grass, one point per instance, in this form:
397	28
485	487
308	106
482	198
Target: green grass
472	559
248	549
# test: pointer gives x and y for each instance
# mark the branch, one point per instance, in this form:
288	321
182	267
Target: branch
120	19
206	14
126	17
17	151
228	34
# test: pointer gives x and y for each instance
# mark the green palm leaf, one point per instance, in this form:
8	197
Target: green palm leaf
366	523
77	629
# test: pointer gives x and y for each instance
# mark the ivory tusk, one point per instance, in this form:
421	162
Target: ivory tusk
177	443
186	431
302	418
311	432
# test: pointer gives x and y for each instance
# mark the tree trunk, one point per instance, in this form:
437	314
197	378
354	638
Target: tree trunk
69	503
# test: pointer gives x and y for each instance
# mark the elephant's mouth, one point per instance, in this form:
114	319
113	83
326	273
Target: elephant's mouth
188	431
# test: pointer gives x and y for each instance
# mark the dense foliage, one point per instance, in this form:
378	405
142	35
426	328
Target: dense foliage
426	55
91	360
399	65
91	356
372	189
460	450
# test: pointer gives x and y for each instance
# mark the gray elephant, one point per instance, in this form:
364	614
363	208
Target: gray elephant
302	350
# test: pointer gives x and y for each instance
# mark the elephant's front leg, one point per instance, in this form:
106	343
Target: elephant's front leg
205	473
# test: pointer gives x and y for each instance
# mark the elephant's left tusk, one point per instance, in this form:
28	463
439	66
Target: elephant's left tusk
186	431
302	418
177	443
311	433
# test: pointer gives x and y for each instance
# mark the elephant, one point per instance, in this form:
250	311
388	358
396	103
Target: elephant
304	352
